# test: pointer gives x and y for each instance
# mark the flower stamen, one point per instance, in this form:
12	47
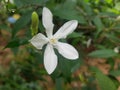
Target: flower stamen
53	41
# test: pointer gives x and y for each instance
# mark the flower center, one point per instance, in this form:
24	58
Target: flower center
53	41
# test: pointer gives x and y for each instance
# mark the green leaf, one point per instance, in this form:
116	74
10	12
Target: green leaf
71	14
104	82
59	83
21	3
109	1
16	43
75	35
113	37
86	7
67	70
11	44
108	14
98	23
115	73
105	53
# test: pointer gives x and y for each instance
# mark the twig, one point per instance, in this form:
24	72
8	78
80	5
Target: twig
87	27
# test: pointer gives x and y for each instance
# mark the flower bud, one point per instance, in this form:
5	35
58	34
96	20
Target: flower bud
116	49
35	22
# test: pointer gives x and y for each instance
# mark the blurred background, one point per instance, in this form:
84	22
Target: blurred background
97	39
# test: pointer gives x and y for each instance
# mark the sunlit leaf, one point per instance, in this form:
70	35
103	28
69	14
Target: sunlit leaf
117	6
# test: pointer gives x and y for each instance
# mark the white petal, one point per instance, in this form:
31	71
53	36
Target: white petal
67	50
47	19
38	41
50	59
66	29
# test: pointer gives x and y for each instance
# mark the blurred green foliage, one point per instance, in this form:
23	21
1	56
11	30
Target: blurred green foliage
98	21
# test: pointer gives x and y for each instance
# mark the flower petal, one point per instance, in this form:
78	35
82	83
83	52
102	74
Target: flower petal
50	59
38	41
47	19
66	29
67	50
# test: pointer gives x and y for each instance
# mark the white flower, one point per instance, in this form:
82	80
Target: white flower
52	41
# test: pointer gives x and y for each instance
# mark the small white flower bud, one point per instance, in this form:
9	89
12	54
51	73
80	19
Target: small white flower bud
89	42
116	49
